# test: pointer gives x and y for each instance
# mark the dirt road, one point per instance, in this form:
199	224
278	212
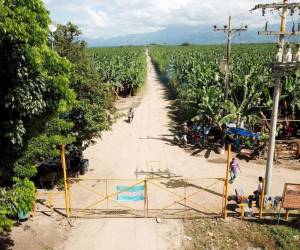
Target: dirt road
128	147
118	154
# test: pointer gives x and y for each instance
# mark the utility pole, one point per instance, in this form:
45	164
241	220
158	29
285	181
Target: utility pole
280	66
229	31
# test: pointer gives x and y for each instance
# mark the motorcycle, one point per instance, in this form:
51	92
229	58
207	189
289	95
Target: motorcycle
130	117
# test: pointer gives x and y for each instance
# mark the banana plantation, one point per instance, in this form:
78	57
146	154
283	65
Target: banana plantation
195	75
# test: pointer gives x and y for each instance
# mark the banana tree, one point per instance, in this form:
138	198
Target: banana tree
292	89
244	107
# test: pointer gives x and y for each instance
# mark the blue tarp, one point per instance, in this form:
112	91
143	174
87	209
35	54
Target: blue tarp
241	132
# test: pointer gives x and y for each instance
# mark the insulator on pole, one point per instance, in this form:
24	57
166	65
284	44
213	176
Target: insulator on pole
293	28
266	26
297	54
289	55
279	54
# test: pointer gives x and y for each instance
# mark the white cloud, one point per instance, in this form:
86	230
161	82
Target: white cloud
109	18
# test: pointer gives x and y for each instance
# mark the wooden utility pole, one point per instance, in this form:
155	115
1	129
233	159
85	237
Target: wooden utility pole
227	182
64	167
229	31
279	67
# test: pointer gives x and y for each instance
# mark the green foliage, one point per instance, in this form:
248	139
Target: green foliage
20	197
191	72
185	44
44	146
24	21
194	74
34	90
94	105
124	69
245	107
284	237
67	42
34	81
238	235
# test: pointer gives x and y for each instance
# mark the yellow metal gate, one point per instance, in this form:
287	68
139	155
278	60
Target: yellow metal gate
165	197
161	197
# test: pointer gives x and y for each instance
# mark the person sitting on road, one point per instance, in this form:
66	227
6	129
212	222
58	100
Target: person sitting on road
234	167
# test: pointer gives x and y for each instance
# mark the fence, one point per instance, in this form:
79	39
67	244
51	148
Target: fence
157	197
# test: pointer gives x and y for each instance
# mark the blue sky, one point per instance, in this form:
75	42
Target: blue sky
112	18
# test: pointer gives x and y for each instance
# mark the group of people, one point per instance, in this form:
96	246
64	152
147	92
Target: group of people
194	133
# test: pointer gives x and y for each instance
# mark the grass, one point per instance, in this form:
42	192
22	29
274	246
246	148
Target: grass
235	234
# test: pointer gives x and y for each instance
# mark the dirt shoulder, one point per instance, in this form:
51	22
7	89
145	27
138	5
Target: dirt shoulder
235	234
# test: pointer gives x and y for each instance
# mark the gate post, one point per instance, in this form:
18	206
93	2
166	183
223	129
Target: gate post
227	182
50	202
145	199
69	197
106	194
185	206
262	198
63	163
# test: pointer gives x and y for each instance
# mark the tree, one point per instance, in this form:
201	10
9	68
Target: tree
67	42
245	107
185	44
34	80
93	109
34	88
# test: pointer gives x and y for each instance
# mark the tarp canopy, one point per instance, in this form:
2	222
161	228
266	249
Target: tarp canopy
241	132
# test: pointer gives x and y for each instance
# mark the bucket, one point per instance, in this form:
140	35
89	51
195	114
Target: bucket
22	215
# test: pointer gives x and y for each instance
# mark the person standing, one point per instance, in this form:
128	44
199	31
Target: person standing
256	194
234	167
185	131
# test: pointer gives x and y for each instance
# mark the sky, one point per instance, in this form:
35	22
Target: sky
113	18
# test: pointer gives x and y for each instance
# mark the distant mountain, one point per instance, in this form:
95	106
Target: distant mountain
179	35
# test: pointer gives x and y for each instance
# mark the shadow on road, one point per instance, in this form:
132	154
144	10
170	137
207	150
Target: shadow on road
173	183
169	141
